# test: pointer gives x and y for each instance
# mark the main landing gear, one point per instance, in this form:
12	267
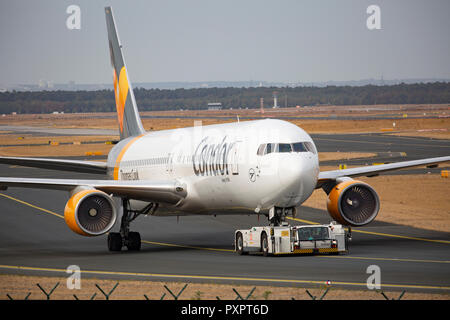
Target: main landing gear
127	238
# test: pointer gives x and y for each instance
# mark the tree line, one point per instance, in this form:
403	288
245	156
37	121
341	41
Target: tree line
157	99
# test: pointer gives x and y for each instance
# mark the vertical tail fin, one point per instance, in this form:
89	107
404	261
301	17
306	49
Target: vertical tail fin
127	112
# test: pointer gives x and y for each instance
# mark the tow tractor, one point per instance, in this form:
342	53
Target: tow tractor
286	239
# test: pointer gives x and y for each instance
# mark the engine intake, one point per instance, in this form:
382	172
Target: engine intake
353	203
90	213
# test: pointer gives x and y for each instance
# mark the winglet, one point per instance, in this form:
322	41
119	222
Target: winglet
127	112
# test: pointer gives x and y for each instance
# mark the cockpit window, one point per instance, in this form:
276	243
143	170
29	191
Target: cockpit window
284	147
310	146
299	147
267	148
261	150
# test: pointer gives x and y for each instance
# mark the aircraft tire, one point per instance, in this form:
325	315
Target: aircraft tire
134	241
114	241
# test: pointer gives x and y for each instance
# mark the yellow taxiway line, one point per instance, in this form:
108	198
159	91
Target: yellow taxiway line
386	259
32	206
199	277
185	246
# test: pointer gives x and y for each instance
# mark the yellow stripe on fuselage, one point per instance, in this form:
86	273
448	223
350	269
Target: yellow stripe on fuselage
121	154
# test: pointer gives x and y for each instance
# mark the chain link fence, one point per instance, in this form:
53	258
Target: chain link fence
107	292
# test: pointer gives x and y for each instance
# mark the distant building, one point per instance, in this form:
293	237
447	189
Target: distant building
44	84
214	106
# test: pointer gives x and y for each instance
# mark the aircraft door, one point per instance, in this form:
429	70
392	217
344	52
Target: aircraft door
169	165
234	159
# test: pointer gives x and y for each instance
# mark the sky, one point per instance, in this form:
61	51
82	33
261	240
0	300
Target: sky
227	40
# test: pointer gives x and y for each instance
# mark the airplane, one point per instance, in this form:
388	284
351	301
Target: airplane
266	167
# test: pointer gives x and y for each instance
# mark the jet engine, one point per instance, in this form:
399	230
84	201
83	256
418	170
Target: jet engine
90	212
353	203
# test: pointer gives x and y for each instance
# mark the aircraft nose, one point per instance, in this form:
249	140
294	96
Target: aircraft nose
297	177
290	170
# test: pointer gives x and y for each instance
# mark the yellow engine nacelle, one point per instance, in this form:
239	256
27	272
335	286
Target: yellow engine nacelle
353	203
90	213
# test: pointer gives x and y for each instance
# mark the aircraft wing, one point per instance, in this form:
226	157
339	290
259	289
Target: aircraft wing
368	171
58	164
155	191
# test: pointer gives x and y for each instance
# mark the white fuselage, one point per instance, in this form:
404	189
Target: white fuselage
226	168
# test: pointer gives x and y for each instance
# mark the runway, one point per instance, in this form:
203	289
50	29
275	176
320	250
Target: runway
35	239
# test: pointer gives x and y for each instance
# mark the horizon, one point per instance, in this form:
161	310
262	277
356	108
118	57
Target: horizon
174	85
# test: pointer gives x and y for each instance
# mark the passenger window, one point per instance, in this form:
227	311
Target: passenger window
284	147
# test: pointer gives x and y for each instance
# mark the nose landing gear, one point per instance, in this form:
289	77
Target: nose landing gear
277	216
